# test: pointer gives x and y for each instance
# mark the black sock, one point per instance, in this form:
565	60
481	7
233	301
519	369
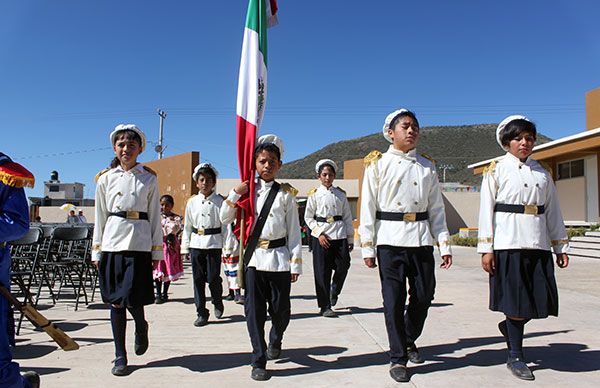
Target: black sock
515	330
166	287
157	284
118	322
138	316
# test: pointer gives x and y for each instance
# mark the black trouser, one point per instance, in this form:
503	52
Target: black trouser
206	268
262	289
396	265
326	261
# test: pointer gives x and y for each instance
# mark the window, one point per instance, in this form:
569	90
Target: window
571	169
53	189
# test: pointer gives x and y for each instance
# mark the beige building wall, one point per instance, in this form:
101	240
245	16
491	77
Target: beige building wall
592	108
175	177
572	194
54	214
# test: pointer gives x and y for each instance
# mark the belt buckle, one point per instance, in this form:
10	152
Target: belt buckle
409	217
200	231
330	220
133	215
264	244
531	209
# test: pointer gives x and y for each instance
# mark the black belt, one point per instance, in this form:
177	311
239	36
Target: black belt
270	244
130	215
524	209
207	231
329	219
408	217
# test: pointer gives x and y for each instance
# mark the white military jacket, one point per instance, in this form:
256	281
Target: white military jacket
510	181
324	202
133	190
404	183
281	222
202	213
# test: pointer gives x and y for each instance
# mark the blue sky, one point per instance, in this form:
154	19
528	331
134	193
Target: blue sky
72	69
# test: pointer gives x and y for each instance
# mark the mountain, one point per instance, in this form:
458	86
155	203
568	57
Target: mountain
452	147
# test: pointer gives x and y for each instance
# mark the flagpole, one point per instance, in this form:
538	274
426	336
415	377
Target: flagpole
240	272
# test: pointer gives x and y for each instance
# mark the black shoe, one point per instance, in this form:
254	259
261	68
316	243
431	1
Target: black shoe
328	313
273	352
120	368
165	297
229	297
399	373
333	300
141	342
504	330
259	374
201	321
33	378
519	368
239	299
219	312
159	299
413	354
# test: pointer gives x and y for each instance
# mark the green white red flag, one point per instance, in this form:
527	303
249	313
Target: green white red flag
252	96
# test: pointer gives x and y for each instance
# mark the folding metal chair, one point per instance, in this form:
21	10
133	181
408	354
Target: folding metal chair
66	261
25	254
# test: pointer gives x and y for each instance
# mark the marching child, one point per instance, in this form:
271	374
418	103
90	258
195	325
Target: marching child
328	216
127	239
519	222
171	268
202	239
231	259
401	216
276	261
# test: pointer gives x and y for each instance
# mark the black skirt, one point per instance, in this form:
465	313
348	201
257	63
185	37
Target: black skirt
523	284
126	278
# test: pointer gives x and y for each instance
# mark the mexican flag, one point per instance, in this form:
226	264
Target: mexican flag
252	96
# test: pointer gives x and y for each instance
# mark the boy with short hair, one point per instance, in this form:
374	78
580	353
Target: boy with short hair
202	238
276	262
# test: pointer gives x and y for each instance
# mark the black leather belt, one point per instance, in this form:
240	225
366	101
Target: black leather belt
329	219
270	244
207	231
130	215
407	217
523	209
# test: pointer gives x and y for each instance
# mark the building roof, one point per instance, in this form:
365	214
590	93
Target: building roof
577	142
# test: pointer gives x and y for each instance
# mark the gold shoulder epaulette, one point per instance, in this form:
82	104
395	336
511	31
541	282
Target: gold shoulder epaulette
289	189
151	171
100	174
490	167
545	165
312	191
372	157
432	160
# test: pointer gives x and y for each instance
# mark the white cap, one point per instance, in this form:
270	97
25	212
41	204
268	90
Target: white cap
128	127
203	165
325	161
271	139
503	124
388	121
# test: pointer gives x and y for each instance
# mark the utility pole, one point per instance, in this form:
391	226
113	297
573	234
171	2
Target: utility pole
445	167
159	147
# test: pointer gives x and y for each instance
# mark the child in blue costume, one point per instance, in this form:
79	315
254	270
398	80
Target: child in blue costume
14	223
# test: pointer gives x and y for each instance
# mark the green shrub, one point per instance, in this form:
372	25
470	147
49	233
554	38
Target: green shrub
463	241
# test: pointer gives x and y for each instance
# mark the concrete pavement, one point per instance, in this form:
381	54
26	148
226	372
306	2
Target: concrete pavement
460	343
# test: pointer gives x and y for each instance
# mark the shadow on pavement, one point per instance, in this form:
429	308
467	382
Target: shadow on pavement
45	371
30	351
